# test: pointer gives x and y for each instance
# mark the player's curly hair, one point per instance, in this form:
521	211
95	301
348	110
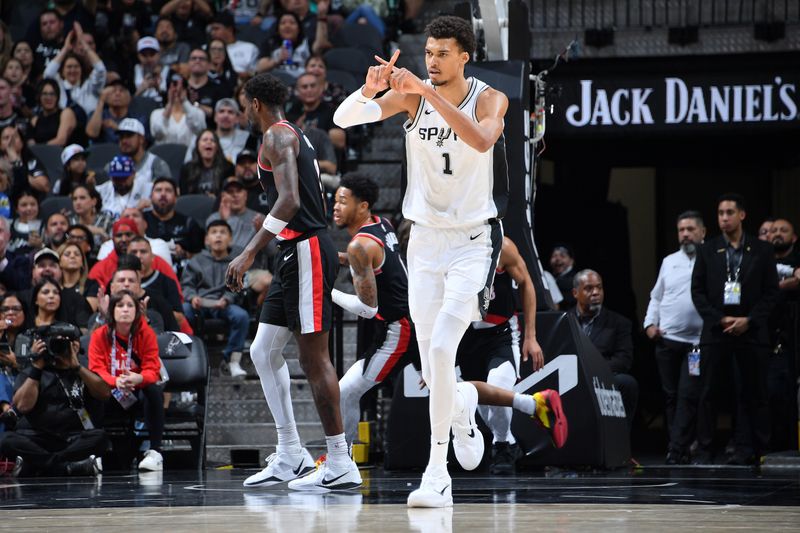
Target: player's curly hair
449	26
361	186
268	89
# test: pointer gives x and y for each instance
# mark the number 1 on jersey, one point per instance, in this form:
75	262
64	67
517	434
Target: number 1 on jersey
447	169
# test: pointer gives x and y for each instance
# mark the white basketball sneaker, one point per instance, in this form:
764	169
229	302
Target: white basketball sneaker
328	477
152	462
282	466
467	438
436	489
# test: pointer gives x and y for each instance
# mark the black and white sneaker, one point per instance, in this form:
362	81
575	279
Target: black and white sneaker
281	467
327	477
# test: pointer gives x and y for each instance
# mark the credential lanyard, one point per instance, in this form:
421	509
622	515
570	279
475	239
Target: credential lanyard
115	362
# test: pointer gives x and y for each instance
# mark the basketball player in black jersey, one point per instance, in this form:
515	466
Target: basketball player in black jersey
298	301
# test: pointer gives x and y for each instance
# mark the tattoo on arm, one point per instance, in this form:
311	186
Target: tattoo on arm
363	276
282	147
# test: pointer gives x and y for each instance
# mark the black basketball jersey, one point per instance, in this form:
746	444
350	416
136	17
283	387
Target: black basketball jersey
311	215
502	304
391	277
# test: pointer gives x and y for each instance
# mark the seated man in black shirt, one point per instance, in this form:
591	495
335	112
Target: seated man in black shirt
153	282
201	90
55	435
309	111
183	234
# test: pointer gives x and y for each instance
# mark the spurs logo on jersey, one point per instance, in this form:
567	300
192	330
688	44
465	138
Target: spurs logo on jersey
449	184
502	304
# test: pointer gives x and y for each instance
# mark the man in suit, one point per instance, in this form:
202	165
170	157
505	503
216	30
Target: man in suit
609	332
734	288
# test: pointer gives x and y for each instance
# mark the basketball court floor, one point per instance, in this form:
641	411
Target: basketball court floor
643	499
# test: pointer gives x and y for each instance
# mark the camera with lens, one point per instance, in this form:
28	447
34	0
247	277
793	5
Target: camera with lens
57	338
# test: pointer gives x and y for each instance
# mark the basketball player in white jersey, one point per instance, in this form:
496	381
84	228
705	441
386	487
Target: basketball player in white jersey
456	194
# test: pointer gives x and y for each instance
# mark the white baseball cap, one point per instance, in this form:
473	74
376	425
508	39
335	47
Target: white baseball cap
146	43
71	151
132	125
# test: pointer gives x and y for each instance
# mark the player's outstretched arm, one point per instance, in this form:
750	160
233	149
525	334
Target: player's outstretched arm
365	302
281	147
482	135
512	262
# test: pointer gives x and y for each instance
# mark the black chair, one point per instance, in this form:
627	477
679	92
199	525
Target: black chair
142	107
352	60
50	156
343	78
250	34
100	155
173	154
196	206
285	77
54	204
362	36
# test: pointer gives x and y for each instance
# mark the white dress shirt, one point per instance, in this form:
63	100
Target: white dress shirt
671	308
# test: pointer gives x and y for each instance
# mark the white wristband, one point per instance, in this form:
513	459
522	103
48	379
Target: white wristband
273	225
352	303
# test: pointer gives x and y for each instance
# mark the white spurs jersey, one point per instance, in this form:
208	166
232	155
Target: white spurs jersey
449	184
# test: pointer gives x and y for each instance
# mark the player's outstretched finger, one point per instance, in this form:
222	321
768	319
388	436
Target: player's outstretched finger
389	65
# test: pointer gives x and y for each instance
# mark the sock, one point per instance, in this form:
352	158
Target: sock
288	439
337	450
352	387
525	403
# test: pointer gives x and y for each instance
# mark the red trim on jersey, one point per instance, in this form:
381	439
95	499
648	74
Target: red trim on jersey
286	123
377	271
368	236
495	319
263	166
402	347
316	277
499	270
376	220
287	234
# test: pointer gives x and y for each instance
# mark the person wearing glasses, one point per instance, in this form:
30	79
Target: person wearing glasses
201	90
12	318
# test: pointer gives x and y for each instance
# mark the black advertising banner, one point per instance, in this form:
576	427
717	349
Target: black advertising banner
664	96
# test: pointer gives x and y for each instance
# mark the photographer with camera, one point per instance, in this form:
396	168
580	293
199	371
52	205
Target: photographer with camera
124	353
55	434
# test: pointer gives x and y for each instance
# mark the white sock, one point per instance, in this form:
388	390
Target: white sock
337	450
288	439
524	403
352	387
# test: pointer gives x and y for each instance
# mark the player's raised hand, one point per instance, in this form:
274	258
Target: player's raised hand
406	82
378	76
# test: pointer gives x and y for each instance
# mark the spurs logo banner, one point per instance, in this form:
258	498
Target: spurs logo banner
711	94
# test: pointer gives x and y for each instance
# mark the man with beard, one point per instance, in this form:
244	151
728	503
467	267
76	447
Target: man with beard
113	107
674	325
55	230
123	189
785	328
562	263
132	144
47	44
609	332
247	173
233	210
232	140
160	247
183	234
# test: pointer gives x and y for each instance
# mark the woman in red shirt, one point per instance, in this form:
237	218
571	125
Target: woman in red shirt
124	352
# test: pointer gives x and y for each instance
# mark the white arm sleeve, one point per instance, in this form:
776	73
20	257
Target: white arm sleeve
356	109
352	303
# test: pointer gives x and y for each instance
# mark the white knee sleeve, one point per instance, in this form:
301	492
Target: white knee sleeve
499	418
352	387
267	355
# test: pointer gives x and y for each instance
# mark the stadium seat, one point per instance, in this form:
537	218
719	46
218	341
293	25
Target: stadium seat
142	107
362	36
54	204
196	206
351	60
250	34
285	77
344	78
50	156
100	154
173	154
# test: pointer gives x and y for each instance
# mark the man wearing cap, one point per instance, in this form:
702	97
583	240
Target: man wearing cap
159	246
113	107
123	189
132	143
243	55
247	173
148	74
233	210
73	159
232	140
183	234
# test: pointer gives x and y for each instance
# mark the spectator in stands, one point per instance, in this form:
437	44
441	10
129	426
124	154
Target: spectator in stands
74	272
26	230
308	19
313	112
160	247
221	69
133	144
674	325
55	230
201	90
12	313
203	283
734	288
172	51
154	283
50	439
332	93
23	52
124	353
232	138
562	263
29	172
765	228
48	42
81	236
233	210
326	155
14	268
183	235
73	159
372	13
78	88
247	172
190	18
113	107
253	13
46	303
243	55
6	174
6	43
23	94
123	189
178	121
208	168
609	332
87	210
70	12
8	115
288	49
149	76
52	124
